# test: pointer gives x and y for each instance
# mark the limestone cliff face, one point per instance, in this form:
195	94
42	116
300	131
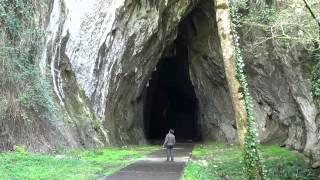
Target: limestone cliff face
112	47
284	107
109	49
53	125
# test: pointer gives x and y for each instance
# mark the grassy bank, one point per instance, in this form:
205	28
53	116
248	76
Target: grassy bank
90	164
222	161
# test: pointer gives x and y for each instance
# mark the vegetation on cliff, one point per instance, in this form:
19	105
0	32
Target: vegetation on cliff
20	82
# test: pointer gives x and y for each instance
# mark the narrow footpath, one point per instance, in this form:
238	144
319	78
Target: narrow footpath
155	167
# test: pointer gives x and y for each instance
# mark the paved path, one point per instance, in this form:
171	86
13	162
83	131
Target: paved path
155	167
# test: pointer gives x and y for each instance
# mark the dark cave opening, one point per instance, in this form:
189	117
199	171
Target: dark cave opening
171	102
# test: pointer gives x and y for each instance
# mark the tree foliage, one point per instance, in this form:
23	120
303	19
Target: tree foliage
285	24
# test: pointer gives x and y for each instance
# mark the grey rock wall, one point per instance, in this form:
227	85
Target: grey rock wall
70	122
114	46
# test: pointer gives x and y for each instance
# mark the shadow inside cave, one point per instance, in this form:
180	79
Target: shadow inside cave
170	101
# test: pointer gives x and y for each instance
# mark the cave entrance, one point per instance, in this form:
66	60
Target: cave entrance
171	102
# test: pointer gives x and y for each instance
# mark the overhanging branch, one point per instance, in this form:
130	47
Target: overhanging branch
312	14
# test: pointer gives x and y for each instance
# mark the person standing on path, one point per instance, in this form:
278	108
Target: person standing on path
169	143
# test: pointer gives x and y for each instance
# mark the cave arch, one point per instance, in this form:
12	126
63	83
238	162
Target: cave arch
171	102
192	62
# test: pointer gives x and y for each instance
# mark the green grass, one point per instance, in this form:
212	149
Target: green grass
89	164
219	161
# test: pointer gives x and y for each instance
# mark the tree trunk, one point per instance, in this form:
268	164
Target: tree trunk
239	94
228	51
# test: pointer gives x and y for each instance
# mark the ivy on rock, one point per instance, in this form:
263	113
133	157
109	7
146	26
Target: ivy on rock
252	159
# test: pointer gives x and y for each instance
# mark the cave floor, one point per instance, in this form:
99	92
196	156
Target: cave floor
154	166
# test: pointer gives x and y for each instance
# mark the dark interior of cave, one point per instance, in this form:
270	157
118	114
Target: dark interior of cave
171	101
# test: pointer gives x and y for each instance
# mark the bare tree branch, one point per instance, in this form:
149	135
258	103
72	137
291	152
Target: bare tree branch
312	14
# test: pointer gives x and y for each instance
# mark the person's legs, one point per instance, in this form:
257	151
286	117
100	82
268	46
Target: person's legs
171	153
168	153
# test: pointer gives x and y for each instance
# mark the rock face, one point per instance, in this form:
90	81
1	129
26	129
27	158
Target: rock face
285	110
110	49
114	46
72	122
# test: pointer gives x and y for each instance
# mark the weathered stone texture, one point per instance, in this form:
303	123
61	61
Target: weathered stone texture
112	47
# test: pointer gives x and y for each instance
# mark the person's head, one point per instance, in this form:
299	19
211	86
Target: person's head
171	131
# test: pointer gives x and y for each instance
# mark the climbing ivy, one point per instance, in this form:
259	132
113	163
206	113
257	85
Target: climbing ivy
19	71
253	166
15	17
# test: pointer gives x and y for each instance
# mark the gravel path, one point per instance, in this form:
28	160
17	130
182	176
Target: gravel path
155	167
